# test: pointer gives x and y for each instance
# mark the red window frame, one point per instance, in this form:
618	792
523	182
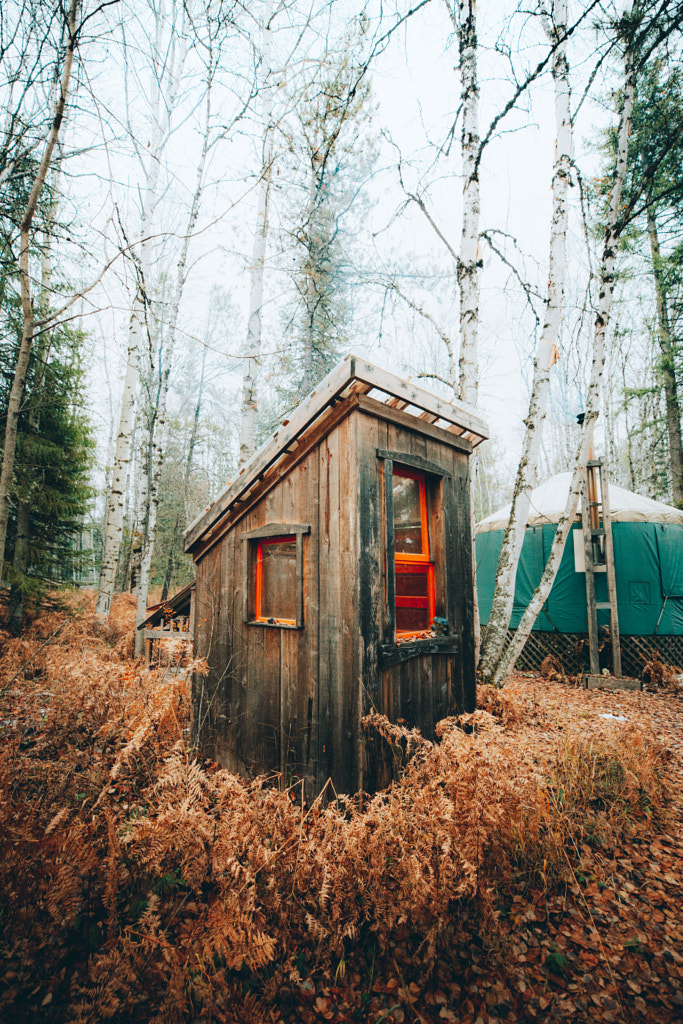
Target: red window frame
258	596
416	563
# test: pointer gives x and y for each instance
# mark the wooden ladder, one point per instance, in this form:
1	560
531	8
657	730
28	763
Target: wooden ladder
599	555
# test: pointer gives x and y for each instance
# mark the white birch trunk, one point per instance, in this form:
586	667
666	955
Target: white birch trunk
258	259
469	263
181	515
26	344
117	491
546	355
157	461
609	254
161	122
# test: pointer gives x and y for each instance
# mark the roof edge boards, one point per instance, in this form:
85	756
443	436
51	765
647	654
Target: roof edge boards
352	376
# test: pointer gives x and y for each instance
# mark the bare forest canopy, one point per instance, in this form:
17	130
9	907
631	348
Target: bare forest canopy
205	204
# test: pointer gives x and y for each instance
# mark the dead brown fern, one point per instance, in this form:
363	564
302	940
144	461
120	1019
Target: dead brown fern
140	884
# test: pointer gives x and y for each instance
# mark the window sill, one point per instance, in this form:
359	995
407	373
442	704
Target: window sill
273	625
394	654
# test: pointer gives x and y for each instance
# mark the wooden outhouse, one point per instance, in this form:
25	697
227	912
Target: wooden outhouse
334	576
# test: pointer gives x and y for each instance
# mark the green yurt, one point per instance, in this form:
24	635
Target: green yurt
648	557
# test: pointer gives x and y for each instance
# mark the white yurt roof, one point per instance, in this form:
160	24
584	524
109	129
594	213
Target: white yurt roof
549	498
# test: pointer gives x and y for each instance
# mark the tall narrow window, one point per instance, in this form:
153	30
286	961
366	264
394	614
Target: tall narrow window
276	584
415	601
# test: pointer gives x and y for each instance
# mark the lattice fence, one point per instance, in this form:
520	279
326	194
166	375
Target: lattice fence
572	650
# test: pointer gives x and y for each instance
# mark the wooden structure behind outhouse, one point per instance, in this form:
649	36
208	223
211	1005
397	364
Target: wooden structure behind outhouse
334	576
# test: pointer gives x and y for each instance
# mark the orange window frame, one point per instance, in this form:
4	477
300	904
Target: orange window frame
258	595
415	562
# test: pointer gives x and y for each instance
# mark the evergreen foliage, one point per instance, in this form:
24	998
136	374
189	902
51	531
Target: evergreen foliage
332	146
52	492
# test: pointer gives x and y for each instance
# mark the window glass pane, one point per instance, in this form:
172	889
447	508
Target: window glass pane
412	599
407	516
278	594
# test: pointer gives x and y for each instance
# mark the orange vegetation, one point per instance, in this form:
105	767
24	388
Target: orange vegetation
140	884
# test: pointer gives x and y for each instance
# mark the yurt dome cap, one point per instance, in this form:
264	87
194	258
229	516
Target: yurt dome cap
549	499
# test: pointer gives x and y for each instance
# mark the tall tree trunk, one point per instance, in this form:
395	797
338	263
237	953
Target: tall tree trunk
258	258
182	511
141	306
140	473
546	355
613	231
673	409
24	353
469	262
19	566
310	369
117	491
157	452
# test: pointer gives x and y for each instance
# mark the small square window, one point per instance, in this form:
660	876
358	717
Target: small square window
274	575
276	580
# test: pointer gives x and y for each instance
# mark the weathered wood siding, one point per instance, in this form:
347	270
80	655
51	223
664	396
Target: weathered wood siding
425	688
280	699
292	699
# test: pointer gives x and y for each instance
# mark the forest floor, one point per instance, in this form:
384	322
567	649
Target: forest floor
529	867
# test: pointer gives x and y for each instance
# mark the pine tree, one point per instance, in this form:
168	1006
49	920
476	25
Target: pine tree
331	143
51	492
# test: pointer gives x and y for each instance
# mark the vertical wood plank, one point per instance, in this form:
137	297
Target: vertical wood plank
347	684
336	595
324	742
205	689
373	496
390	555
459	547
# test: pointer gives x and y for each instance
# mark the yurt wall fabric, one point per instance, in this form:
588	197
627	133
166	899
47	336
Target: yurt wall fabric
648	560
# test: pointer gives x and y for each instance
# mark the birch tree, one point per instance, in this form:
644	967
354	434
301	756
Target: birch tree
633	33
181	517
168	59
249	410
546	354
469	265
156	455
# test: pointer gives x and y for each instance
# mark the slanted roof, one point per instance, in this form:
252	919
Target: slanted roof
548	501
353	376
179	604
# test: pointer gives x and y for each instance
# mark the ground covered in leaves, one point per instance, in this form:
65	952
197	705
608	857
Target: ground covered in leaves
528	866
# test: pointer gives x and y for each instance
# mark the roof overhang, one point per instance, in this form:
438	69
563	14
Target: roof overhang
353	376
177	604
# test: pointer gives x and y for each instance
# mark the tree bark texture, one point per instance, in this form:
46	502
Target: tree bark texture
469	264
157	453
249	414
182	512
673	408
546	354
613	231
138	321
21	545
117	492
26	344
